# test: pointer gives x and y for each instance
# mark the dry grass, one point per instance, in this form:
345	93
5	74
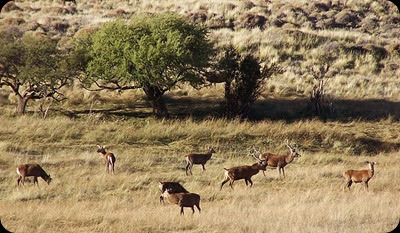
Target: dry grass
82	198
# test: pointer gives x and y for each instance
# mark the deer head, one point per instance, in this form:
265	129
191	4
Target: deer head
292	150
102	149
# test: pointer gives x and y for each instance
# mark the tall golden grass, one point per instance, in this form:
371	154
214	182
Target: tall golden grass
83	198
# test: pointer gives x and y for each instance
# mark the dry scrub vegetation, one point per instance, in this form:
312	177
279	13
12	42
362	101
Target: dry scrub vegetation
363	36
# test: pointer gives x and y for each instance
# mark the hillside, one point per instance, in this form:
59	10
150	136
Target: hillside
362	36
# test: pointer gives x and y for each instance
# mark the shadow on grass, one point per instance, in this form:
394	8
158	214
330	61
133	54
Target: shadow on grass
269	109
345	110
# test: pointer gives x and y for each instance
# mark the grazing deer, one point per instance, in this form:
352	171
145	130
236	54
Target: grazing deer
202	159
280	161
183	200
358	176
109	158
173	187
32	169
243	172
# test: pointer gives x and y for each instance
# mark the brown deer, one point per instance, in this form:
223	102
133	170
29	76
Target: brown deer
108	157
280	161
31	169
202	159
183	200
173	187
243	172
358	176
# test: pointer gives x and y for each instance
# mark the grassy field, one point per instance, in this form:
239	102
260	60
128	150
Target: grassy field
83	198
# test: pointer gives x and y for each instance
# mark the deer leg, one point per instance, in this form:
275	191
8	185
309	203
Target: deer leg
182	213
348	184
366	185
191	166
198	207
187	167
251	182
223	182
279	172
283	171
264	173
19	180
245	180
35	180
231	183
111	167
203	167
193	209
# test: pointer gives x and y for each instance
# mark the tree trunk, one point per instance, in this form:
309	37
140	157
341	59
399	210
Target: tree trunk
157	102
22	101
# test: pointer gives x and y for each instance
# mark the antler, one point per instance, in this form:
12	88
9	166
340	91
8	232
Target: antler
253	151
287	144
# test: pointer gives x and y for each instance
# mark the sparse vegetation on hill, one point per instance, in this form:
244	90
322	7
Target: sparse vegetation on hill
364	35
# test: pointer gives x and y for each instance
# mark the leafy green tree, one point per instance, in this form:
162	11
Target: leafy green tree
33	67
153	53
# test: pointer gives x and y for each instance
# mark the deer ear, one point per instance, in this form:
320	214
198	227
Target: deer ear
104	147
98	146
367	162
159	182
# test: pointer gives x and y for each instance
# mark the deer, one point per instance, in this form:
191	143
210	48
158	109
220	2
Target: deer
202	159
358	176
279	161
31	169
183	199
108	157
174	187
244	172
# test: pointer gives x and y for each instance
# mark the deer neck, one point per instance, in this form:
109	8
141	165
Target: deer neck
104	154
255	168
371	172
289	157
44	176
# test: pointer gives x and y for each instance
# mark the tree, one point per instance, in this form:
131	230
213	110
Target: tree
321	104
244	81
33	67
153	53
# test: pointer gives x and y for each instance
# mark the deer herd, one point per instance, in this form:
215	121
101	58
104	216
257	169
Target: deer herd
175	193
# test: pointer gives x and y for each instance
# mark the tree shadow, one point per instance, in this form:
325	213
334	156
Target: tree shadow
286	109
344	110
